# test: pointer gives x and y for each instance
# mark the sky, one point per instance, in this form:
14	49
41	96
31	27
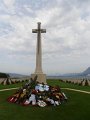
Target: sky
65	45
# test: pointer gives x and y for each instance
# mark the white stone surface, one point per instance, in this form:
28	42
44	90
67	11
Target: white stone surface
38	71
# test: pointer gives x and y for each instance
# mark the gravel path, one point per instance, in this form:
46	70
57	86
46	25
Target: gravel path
8	89
77	90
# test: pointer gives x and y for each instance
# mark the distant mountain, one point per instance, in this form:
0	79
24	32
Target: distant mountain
15	75
87	71
82	74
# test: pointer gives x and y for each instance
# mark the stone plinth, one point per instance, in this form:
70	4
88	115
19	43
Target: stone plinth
40	77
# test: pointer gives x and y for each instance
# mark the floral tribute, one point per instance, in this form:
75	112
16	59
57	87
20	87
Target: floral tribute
38	94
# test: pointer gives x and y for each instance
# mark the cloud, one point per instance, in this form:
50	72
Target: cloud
66	42
9	3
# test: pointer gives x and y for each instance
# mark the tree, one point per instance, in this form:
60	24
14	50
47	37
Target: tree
4	75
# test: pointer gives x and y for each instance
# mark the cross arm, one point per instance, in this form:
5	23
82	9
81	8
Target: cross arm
43	30
34	30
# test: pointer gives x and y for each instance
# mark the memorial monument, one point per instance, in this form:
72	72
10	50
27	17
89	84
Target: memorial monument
41	77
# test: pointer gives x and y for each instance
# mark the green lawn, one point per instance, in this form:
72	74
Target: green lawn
68	85
11	86
77	107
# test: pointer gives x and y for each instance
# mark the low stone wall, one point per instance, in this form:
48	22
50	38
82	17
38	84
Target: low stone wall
82	82
2	79
13	80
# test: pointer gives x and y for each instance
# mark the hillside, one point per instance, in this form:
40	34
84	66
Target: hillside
82	74
15	75
87	71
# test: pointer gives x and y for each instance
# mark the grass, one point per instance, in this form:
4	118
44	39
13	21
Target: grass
11	86
77	107
68	85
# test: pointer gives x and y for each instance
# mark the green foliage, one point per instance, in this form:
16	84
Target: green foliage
4	75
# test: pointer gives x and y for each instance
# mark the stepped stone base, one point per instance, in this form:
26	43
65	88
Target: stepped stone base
40	77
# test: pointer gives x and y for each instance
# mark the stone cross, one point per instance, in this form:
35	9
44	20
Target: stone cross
39	48
41	77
